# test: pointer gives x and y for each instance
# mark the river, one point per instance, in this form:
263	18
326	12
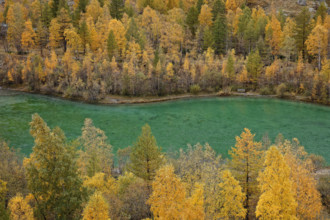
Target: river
174	123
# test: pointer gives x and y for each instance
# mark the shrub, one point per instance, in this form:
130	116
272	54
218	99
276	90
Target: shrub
318	161
195	89
281	89
266	91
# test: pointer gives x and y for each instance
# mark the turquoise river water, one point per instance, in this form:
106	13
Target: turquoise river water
174	123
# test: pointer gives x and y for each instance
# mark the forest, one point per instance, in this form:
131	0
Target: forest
84	179
88	50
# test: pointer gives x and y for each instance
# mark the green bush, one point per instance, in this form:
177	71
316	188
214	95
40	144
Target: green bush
195	89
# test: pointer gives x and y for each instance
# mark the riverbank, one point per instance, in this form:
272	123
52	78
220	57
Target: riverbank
119	99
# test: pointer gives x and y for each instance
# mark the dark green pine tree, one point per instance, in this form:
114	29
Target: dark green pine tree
321	11
117	9
254	65
46	15
156	59
84	35
302	30
57	5
146	157
199	6
243	21
250	35
133	31
192	20
220	34
219	8
82	5
208	38
111	44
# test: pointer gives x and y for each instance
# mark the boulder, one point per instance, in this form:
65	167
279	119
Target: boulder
301	2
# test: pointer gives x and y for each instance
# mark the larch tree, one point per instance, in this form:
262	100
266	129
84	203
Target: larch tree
168	199
20	208
247	158
54	34
52	173
57	28
73	39
205	17
11	172
97	208
302	30
288	47
195	203
15	21
168	196
28	36
119	32
201	164
304	183
277	200
232	198
146	157
96	155
85	35
325	71
317	42
274	35
232	5
94	10
42	35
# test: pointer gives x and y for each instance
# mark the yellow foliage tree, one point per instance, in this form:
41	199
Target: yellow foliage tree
169	194
72	38
97	154
325	72
274	35
28	36
15	21
195	204
304	183
97	208
317	42
119	31
277	200
100	183
20	209
247	159
168	199
151	23
3	190
231	5
94	10
54	34
232	198
205	16
242	77
169	71
51	64
272	71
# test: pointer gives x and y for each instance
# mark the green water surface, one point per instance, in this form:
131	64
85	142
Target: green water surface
174	124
